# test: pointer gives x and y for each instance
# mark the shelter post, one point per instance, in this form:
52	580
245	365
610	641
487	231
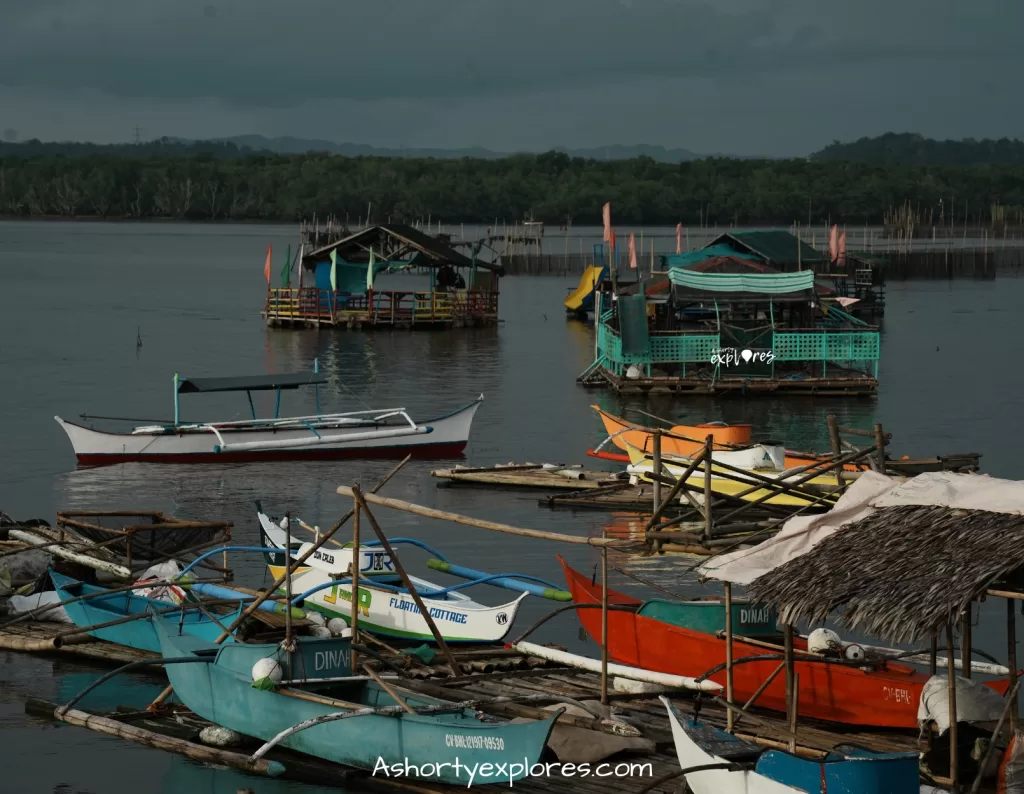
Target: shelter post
880	448
965	643
1011	658
708	446
954	773
730	716
933	656
790	681
355	578
604	625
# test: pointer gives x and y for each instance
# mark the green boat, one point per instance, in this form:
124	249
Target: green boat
707	615
443	742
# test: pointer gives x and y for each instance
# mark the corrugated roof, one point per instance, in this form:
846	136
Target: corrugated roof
777	246
435	252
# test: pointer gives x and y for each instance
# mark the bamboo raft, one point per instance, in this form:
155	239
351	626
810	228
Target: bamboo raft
532	475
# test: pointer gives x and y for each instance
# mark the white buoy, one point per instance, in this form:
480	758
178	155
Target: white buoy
315	617
824	641
320	631
267	673
336	626
855	652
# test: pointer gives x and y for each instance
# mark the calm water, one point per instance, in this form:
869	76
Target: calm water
76	296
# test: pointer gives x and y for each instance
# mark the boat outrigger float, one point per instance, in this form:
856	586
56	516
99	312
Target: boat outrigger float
387	432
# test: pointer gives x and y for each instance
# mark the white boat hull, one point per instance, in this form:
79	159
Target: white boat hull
444	437
717	781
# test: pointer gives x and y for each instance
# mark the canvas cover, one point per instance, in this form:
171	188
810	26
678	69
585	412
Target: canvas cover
756	283
871	491
975	702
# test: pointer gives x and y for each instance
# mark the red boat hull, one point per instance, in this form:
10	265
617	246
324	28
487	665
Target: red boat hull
886	697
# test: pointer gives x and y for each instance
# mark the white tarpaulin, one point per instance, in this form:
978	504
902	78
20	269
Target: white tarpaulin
802	533
799	535
975	702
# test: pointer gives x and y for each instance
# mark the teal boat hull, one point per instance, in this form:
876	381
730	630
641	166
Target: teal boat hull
221	691
139	633
708	616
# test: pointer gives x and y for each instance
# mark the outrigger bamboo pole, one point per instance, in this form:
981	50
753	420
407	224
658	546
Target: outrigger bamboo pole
400	569
455	518
676	488
656	446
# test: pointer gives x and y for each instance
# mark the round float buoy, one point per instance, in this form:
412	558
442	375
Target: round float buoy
855	653
336	626
267	673
824	641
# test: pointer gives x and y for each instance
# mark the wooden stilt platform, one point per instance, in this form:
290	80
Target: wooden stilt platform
37	637
531	475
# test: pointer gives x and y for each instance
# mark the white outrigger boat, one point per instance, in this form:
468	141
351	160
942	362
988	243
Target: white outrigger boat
385	606
387	432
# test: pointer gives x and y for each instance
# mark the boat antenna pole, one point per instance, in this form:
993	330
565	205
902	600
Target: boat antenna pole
288	582
176	382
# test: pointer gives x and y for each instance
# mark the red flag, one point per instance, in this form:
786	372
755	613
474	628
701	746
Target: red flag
266	267
632	251
833	243
606	215
679	238
842	249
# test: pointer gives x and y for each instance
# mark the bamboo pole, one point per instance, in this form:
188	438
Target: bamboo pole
674	492
1011	657
400	569
1011	700
656	451
794	710
604	625
428	512
355	580
386	686
880	448
708	461
933	656
954	772
730	719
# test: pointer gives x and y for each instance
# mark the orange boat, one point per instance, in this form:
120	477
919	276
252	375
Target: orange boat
885	695
685	441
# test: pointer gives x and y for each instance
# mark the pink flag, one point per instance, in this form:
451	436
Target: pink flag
842	249
632	251
266	266
606	214
833	243
679	238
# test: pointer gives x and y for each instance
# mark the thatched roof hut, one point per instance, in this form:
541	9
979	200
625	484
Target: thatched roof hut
902	573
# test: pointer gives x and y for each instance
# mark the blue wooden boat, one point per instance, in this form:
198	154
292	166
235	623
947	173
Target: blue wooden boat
137	633
746	768
222	691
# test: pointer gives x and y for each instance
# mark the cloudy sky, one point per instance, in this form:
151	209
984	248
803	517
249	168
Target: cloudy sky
773	77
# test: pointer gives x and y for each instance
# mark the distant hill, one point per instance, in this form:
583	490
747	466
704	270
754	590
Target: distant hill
290	145
907	148
162	147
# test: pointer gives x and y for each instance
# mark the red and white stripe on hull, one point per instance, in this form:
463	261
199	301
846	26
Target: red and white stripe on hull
444	437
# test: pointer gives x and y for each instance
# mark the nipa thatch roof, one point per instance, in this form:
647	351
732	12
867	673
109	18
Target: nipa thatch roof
902	573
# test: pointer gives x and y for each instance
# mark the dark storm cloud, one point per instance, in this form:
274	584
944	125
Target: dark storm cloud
274	53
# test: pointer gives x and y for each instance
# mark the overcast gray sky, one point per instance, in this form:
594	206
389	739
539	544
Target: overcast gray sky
773	77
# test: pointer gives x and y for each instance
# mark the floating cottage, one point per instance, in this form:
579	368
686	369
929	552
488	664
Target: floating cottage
744	314
343	284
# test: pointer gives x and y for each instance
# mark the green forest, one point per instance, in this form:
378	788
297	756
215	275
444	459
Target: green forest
234	184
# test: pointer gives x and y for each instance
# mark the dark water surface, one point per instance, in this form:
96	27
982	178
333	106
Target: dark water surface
76	295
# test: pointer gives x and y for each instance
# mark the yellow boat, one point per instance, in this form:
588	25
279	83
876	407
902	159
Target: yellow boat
642	465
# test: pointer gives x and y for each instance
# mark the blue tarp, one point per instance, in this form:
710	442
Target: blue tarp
349	277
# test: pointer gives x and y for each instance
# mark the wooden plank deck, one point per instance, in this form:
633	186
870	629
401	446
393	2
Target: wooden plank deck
532	476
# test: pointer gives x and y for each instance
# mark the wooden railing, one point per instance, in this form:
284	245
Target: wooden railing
380	306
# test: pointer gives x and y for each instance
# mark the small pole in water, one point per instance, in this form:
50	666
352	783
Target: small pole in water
316	386
176	382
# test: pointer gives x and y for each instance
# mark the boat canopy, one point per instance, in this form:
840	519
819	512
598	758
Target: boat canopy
287	380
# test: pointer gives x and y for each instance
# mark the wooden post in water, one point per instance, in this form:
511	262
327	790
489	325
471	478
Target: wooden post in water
790	682
604	625
954	773
965	643
656	444
836	442
730	718
708	447
354	624
1011	658
880	448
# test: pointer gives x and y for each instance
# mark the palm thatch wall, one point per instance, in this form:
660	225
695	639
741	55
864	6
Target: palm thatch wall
902	573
